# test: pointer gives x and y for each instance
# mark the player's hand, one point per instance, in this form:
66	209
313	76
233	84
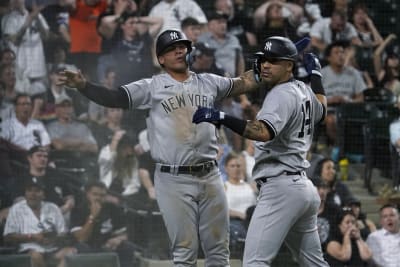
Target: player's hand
71	79
257	69
311	64
210	115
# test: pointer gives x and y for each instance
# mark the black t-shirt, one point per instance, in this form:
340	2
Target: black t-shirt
355	260
57	186
110	220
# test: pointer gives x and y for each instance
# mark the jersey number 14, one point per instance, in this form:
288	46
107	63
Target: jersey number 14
306	122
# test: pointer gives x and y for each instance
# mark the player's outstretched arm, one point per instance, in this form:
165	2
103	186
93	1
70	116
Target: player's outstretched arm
245	83
97	93
313	68
254	130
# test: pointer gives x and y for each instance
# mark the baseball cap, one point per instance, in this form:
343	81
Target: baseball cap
318	182
63	98
204	49
217	15
34	181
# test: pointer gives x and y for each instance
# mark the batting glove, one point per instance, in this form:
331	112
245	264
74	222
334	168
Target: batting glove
311	64
211	115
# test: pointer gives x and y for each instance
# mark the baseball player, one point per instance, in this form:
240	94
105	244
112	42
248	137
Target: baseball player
189	189
288	202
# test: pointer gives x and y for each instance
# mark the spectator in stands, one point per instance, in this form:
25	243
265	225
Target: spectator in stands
365	225
82	22
58	59
328	7
58	19
276	24
68	134
326	212
240	22
369	36
292	11
120	170
335	28
6	109
133	52
57	188
204	60
346	246
100	226
388	74
22	131
248	158
37	227
191	27
228	51
24	31
343	84
104	132
240	196
175	11
96	112
7	56
239	193
312	13
384	243
7	76
108	28
394	132
55	91
338	191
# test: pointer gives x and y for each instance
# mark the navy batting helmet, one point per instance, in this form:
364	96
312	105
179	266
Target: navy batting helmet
278	47
170	37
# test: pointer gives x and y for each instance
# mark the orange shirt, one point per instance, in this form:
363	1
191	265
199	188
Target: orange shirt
82	24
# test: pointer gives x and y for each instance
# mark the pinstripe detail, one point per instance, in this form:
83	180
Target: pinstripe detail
270	125
129	96
230	88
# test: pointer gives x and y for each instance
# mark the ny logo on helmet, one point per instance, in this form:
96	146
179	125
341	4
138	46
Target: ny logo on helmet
174	35
268	46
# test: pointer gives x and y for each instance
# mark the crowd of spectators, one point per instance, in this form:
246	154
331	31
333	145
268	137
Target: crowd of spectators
71	170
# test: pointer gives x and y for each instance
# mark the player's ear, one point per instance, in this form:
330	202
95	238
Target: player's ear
289	65
161	60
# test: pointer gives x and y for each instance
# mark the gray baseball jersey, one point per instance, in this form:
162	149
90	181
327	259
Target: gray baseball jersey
288	202
192	204
293	126
174	139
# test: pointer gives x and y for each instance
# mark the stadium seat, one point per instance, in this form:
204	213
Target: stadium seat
15	260
377	149
108	259
351	119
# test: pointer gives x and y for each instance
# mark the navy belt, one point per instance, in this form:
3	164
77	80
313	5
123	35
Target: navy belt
189	169
263	180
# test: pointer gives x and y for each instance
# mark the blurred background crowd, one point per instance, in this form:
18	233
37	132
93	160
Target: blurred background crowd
76	177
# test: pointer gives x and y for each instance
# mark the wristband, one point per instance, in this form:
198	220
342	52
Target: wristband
316	85
235	124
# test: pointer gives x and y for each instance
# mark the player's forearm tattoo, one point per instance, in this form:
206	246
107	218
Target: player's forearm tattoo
244	84
256	130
